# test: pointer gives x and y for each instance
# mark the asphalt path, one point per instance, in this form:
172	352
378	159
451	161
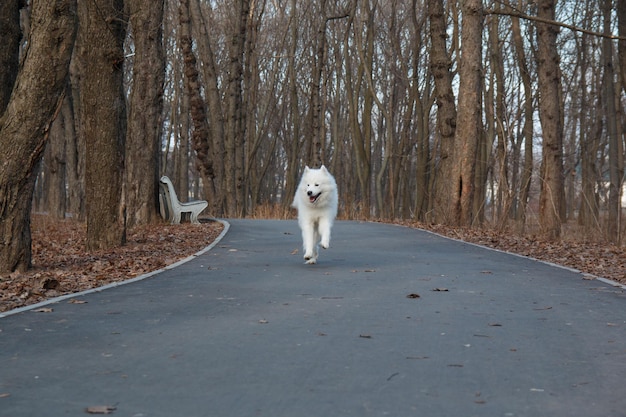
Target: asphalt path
391	321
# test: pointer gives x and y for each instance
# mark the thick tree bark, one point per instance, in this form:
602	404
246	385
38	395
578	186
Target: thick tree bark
440	65
24	126
55	162
235	128
315	134
214	109
551	175
469	115
144	117
208	157
621	24
10	34
103	118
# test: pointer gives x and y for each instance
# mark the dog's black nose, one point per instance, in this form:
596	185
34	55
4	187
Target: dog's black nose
309	193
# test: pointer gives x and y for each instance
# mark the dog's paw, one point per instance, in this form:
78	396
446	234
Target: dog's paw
325	245
310	261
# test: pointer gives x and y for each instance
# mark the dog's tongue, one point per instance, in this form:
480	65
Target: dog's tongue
312	198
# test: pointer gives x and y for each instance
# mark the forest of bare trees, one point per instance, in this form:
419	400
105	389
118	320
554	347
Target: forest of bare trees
506	114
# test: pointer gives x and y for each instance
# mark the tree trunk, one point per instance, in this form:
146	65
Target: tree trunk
25	124
616	158
235	128
316	131
441	65
55	162
361	130
528	128
621	46
551	175
469	115
293	146
9	48
144	117
103	117
205	136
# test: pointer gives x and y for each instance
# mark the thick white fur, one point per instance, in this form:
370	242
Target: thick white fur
316	217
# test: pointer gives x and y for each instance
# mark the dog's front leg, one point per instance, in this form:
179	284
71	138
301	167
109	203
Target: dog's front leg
324	227
308	242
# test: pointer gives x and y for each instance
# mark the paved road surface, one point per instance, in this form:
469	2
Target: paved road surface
391	322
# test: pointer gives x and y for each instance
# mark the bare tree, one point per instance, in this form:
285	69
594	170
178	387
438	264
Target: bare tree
9	48
200	135
101	34
621	24
25	123
551	175
144	115
616	156
441	65
527	127
469	115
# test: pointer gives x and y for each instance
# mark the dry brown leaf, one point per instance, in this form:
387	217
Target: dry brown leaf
61	265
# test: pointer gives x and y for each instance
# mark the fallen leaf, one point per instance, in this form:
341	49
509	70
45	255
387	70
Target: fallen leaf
5	395
100	409
413	295
263	321
49	284
365	336
75	301
440	289
294	252
44	310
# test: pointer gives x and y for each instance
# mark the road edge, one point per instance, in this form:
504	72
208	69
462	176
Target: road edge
117	284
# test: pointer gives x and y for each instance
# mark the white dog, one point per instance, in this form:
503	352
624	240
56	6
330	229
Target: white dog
316	201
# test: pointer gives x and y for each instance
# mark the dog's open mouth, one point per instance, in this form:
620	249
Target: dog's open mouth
313	198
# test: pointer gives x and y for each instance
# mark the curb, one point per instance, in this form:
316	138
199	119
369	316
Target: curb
117	284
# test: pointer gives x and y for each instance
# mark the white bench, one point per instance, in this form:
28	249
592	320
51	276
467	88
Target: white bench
172	209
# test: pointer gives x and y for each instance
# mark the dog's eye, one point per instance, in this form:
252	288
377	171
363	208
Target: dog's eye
317	185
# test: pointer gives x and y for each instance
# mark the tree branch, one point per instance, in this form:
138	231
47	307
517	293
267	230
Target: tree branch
521	15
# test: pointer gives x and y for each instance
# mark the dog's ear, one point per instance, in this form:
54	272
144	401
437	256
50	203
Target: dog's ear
323	168
306	168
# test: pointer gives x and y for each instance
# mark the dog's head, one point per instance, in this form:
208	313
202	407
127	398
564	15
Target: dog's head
315	183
